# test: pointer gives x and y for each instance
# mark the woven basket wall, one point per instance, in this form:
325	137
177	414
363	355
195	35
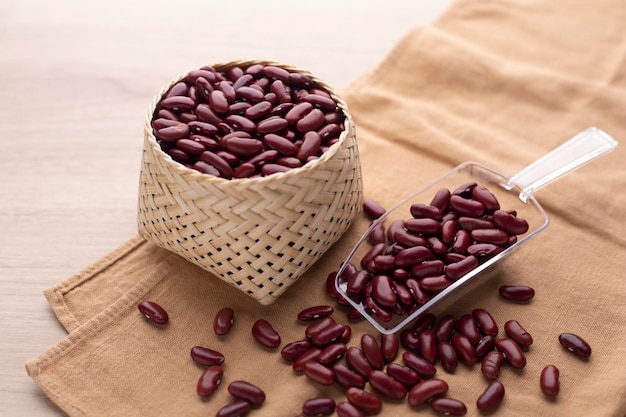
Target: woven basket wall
259	235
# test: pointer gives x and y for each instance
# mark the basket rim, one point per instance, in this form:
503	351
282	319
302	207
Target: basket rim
183	170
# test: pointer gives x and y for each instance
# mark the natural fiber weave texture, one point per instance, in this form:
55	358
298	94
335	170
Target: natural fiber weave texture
258	234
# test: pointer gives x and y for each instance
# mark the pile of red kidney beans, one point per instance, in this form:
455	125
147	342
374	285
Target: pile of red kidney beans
386	367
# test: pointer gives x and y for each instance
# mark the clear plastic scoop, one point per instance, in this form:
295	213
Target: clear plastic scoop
514	192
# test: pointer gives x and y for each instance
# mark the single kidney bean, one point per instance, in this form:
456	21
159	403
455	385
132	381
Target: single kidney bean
205	356
389	346
424	226
239	108
237	408
310	355
179	89
190	146
456	270
160	123
218	102
464	349
512	352
315	312
276	73
419	210
381	312
494	236
358	362
412	256
549	381
448	406
319	373
289	161
153	312
465	190
281	91
428	345
328	335
178	103
316	327
374	251
448	231
470	224
263	158
516	332
575	344
244	147
462	240
467	327
218	162
509	223
424	391
486	197
310	146
247	391
483	249
282	145
208	74
409	339
347	378
484	345
274	124
427	269
250	94
419	364
205	114
492	397
386	385
371	350
424	322
377	234
172	133
466	206
223	321
244	170
239	122
324	103
312	121
445	327
403	374
441	200
485	321
364	400
383	290
435	284
491	364
332	353
372	209
346	409
292	351
297	112
258	110
420	296
244	80
516	292
203	89
447	356
381	264
167	114
408	239
205	168
269	169
265	334
328	131
209	381
319	406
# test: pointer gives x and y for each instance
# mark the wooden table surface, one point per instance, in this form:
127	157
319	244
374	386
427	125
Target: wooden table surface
76	80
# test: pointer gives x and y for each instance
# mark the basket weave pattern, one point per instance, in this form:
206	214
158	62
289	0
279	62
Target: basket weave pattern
258	234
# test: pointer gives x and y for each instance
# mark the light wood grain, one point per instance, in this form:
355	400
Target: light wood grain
77	78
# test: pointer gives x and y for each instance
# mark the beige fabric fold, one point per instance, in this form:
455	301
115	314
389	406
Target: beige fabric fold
497	82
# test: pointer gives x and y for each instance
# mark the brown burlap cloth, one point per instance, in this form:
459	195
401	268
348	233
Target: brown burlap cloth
497	82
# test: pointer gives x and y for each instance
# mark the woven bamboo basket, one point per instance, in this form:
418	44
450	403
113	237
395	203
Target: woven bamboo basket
257	234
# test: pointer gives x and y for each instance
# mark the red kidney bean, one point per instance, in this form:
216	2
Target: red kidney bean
420	210
179	89
371	350
297	112
386	385
202	128
423	322
466	206
467	327
485	321
483	249
491	364
239	108
456	270
166	114
246	391
318	373
436	245
244	170
372	253
312	121
263	158
218	162
462	240
358	362
448	231
424	391
492	397
420	296
445	327
408	239
484	345
163	122
282	145
441	199
265	334
516	332
427	268
289	161
327	335
310	355
243	147
244	80
377	234
347	378
153	312
209	381
419	364
332	353
494	236
258	110
465	190
511	352
318	326
509	223
464	349
310	145
575	344
383	291
409	339
389	346
448	406
205	356
315	312
346	409
237	408
206	168
178	103
403	374
229	91
274	124
172	133
239	122
428	345
470	224
364	400
250	94
324	103
435	284
549	381
218	102
190	146
223	321
276	73
329	131
424	226
447	356
516	292
410	257
292	351
486	197
281	90
319	406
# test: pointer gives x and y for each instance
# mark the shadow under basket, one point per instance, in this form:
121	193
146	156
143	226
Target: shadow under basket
257	234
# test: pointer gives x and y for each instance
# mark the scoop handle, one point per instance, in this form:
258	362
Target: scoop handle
579	150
